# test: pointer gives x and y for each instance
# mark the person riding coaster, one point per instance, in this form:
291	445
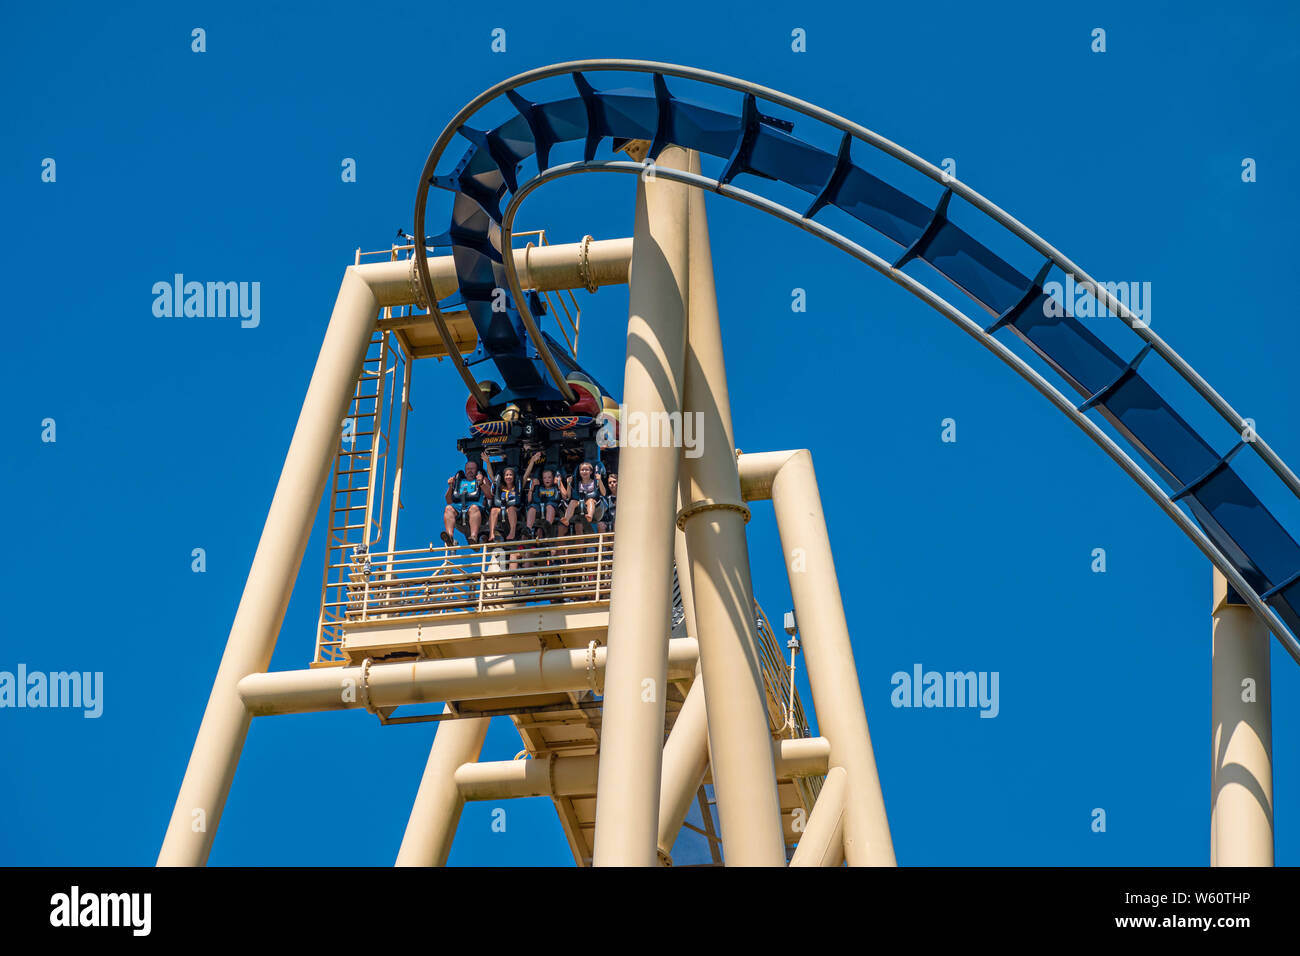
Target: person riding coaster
545	499
509	498
611	503
468	493
587	492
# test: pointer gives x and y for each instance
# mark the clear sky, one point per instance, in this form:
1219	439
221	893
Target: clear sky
974	555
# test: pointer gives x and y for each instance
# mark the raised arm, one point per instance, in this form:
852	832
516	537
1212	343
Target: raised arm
537	456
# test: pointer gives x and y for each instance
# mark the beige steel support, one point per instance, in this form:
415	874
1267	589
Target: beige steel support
822	842
364	291
801	756
632	722
686	753
573	776
381	686
1241	806
275	565
438	803
686	760
744	780
788	478
542	777
682	560
545	268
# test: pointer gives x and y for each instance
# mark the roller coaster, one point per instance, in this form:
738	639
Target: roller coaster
728	731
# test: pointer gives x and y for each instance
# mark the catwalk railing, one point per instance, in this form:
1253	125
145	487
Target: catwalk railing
470	579
491	577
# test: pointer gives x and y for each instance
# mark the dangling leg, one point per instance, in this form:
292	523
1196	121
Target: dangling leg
449	516
512	518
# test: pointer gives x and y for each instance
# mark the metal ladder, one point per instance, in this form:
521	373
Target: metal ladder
357	490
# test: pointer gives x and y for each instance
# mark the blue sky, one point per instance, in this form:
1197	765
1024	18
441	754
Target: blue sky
972	555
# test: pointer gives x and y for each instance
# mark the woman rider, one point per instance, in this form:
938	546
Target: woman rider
544	499
586	490
509	497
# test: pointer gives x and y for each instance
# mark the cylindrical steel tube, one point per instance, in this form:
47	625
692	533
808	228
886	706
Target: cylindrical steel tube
275	565
632	729
454	678
439	802
1241	803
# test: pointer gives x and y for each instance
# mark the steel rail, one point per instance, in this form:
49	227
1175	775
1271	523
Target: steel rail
861	133
965	323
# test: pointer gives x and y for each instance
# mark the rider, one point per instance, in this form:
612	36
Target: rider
611	503
467	494
509	496
586	490
544	499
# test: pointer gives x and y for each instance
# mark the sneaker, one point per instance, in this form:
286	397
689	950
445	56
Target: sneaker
448	540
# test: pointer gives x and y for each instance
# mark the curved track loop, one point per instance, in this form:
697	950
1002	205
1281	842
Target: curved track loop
1237	532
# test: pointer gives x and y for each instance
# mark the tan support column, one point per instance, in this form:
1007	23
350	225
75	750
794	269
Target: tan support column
686	753
744	778
640	607
1241	807
788	478
261	610
686	760
438	803
681	558
822	843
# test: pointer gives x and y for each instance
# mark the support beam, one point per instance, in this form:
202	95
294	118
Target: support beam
801	757
552	776
632	722
686	760
438	803
544	268
744	780
575	776
275	565
1241	801
686	752
560	670
822	843
682	560
788	478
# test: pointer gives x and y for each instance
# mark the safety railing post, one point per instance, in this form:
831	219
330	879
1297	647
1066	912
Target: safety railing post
482	574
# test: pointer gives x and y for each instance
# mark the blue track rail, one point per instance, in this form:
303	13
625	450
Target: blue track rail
749	143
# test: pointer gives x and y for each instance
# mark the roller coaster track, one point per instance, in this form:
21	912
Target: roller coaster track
1227	521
